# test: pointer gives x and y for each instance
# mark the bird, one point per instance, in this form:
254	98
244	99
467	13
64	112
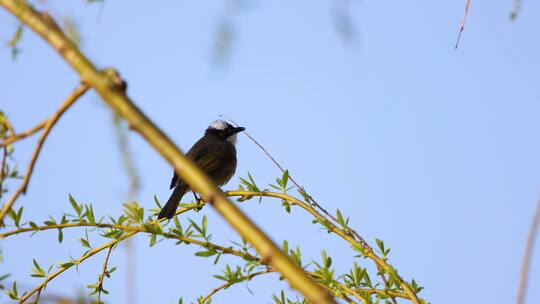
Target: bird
215	154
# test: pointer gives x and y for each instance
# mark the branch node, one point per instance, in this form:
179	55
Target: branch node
115	80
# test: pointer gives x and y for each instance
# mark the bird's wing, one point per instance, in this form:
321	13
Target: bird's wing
205	155
209	160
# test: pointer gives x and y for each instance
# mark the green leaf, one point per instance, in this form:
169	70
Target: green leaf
18	216
37	272
153	239
60	236
285	179
66	264
205	253
157	202
380	245
85	243
90	214
204	223
75	206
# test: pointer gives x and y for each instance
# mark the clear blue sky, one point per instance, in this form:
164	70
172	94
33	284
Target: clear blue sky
433	150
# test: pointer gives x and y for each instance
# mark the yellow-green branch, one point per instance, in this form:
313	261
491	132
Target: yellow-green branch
110	88
70	100
18	136
368	252
132	230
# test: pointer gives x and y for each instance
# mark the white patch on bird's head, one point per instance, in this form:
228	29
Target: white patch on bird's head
232	139
219	125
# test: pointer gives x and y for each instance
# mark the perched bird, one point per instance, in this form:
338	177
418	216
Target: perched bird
215	154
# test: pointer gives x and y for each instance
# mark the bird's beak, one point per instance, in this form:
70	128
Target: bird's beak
238	130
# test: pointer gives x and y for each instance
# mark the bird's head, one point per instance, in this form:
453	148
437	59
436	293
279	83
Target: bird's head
224	131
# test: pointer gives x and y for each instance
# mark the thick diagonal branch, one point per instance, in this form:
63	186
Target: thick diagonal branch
113	94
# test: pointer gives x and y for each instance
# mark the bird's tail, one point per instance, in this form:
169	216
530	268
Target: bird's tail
169	209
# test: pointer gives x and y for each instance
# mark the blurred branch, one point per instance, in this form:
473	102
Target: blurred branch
133	189
127	158
70	100
463	21
516	10
343	21
111	88
528	255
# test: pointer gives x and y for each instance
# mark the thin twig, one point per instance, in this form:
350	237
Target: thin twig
132	230
203	300
16	137
300	188
84	256
75	262
103	274
70	100
462	27
527	256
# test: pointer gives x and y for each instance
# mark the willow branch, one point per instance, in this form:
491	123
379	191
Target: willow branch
112	90
132	230
312	200
86	255
527	256
16	137
367	251
75	262
203	300
343	288
103	274
70	100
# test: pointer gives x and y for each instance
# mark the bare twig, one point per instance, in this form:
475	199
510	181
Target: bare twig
463	21
16	137
527	256
70	100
